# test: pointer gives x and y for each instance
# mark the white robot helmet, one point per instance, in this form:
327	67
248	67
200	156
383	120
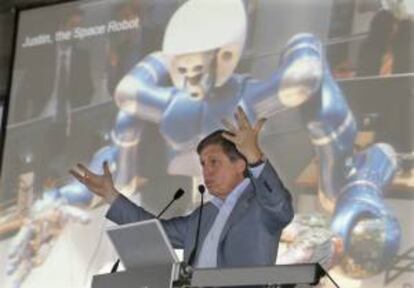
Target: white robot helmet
200	26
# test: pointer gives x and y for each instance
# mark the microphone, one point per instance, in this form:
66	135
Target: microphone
201	189
178	194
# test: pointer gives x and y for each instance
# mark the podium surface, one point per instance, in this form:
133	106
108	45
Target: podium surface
289	276
296	275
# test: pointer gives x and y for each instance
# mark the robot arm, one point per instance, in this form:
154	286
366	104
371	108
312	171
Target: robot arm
332	130
296	80
363	233
352	184
370	232
143	92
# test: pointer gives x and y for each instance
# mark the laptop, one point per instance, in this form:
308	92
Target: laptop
142	244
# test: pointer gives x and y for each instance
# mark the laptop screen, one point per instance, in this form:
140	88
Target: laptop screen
142	244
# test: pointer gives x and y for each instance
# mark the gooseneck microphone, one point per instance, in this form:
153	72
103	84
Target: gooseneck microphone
190	262
178	194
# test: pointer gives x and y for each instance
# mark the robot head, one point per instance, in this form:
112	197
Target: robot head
193	72
203	42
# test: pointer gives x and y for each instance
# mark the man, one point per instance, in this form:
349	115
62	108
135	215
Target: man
242	224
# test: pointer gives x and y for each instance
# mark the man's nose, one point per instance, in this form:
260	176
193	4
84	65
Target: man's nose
207	171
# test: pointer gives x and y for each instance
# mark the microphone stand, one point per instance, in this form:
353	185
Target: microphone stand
186	269
201	189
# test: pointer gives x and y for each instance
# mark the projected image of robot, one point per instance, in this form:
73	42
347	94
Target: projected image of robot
362	234
205	91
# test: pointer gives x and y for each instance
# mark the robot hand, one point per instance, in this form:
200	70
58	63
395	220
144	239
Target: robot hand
41	228
309	239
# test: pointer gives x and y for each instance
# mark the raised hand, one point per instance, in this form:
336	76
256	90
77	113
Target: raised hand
101	185
245	136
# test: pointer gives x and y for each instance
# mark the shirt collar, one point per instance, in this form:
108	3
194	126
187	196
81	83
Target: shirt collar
233	196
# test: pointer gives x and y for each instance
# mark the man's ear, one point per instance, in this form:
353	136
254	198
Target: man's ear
241	166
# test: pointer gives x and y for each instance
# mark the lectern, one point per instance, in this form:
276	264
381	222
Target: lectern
147	255
283	276
151	262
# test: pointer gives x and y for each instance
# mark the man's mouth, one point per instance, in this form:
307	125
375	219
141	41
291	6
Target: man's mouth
208	184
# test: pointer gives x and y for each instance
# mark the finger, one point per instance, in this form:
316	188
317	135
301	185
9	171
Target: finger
78	176
89	176
106	169
85	170
242	118
86	179
239	121
260	124
230	137
90	181
243	114
229	125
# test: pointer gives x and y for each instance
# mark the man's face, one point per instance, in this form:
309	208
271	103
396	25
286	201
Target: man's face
221	175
